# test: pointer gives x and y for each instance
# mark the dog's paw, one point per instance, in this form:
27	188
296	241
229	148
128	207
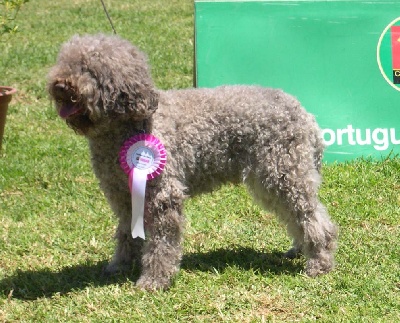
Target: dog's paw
152	284
319	266
113	269
292	253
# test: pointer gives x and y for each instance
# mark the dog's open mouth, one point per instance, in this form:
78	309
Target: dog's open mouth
69	109
76	116
67	99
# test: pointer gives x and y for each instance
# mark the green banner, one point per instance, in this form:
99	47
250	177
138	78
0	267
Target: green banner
341	59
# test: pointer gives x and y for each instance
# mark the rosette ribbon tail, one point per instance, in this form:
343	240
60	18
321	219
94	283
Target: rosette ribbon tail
137	181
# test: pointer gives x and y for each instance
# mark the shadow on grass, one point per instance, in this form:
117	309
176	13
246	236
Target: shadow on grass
34	284
272	263
31	285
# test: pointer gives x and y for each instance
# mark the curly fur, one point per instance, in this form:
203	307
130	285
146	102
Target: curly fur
262	137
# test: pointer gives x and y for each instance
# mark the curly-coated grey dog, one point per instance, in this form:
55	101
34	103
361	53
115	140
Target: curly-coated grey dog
262	137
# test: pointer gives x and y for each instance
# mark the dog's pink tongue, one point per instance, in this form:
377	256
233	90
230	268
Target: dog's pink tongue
68	110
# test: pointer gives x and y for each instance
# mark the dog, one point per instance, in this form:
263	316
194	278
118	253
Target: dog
262	137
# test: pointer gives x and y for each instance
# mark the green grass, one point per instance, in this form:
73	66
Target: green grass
56	228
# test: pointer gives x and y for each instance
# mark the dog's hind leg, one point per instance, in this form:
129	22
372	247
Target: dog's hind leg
316	235
162	251
308	222
295	202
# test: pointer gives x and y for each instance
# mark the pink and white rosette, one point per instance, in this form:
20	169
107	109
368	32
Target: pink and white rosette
142	157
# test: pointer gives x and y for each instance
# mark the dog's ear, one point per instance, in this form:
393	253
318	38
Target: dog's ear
143	102
153	101
130	90
139	101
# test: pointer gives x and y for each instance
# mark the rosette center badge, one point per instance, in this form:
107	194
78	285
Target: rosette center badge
141	158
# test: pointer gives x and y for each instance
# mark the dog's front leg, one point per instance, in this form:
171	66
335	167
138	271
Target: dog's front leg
162	250
128	250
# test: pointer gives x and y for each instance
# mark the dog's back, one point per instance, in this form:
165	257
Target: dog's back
217	134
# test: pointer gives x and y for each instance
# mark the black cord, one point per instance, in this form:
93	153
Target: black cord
108	16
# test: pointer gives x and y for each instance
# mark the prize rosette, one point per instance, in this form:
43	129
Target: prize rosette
142	157
144	152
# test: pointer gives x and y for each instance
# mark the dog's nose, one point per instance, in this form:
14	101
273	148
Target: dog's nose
61	86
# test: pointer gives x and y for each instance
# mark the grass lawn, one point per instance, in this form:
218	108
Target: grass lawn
56	228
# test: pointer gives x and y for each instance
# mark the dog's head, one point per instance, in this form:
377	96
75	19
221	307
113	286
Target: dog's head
101	78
